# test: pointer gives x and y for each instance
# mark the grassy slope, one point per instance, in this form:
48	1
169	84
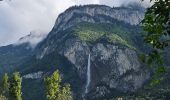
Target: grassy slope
113	33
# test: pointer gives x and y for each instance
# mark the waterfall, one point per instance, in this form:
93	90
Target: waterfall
88	76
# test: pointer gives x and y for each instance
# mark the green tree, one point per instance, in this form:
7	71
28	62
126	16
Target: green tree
157	25
15	87
65	93
3	97
54	89
5	85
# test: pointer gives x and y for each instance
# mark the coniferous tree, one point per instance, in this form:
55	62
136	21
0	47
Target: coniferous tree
4	87
53	86
65	93
5	84
15	87
54	90
3	97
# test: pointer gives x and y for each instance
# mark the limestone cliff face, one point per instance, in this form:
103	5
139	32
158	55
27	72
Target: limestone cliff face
113	65
96	13
92	14
118	67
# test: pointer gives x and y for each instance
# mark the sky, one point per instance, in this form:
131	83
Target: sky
20	17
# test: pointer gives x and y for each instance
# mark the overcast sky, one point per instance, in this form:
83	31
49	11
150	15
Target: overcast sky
19	17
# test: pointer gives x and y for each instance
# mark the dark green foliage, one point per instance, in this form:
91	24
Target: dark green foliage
15	92
157	25
12	56
5	85
47	64
33	89
54	90
53	86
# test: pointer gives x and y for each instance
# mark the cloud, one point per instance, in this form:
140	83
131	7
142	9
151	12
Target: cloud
118	3
32	39
19	17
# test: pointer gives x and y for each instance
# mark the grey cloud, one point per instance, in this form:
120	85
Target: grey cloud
19	17
33	38
117	3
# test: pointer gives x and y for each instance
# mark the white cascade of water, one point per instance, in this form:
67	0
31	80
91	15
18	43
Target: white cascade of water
88	75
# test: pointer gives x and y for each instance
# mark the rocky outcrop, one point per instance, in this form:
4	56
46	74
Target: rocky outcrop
36	75
95	13
118	67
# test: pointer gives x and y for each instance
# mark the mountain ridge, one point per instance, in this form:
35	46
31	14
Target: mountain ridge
93	14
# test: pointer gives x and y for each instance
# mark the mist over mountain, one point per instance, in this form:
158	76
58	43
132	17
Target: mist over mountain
18	17
32	39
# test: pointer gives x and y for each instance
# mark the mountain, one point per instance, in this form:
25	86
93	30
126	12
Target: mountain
13	55
108	35
93	14
95	47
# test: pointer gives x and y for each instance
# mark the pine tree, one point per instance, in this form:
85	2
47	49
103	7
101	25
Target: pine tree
54	90
53	86
4	87
3	97
15	87
65	93
5	84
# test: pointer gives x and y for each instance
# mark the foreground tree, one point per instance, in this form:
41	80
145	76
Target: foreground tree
5	85
15	87
54	89
65	93
3	97
157	25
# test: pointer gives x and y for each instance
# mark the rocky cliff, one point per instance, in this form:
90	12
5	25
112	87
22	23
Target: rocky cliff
107	35
92	14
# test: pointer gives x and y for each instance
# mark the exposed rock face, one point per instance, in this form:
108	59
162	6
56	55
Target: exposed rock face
117	66
90	13
112	64
37	75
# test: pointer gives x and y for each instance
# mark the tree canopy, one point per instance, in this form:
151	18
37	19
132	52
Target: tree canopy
157	25
5	84
55	90
15	91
